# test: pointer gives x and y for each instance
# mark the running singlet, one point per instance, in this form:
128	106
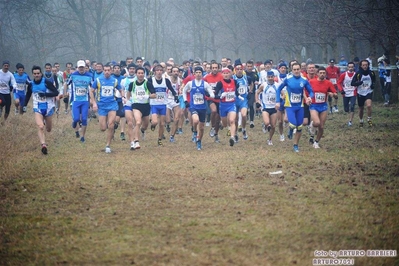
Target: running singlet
160	91
105	89
22	81
197	96
321	88
230	90
268	96
365	88
140	93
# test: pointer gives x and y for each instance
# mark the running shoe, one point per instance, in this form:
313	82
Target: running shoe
82	139
244	135
66	112
107	149
167	128
44	148
199	145
264	130
296	149
349	124
282	138
370	123
207	124
172	139
132	146
251	124
160	142
231	142
311	140
217	139
316	145
152	128
24	109
187	121
123	136
212	132
77	134
361	124
228	133
269	142
235	138
239	129
336	109
180	131
269	127
137	145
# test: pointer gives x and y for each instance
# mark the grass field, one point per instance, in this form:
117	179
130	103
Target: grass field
174	205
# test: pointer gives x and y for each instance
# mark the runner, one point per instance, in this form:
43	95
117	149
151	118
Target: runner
173	108
348	91
6	79
22	79
333	74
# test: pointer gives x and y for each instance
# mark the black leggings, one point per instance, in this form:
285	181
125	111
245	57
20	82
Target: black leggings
6	101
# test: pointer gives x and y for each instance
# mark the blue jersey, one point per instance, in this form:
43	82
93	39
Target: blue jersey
242	85
105	89
80	86
295	94
197	96
22	81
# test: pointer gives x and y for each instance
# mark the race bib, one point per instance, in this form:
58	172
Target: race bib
320	97
242	89
198	98
333	81
230	96
160	96
81	91
140	94
38	98
347	84
295	98
271	99
20	87
107	91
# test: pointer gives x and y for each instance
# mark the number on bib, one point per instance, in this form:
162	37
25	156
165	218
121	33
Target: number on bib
198	98
295	98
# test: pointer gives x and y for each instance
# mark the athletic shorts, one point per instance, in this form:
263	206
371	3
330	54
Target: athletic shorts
144	108
158	109
227	108
241	104
44	111
362	99
20	95
270	111
6	101
127	108
171	104
105	108
319	107
200	112
121	110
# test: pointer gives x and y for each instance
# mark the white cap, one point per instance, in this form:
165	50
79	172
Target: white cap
81	63
171	59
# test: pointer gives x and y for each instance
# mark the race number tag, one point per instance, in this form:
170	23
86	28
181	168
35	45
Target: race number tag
271	99
160	96
242	89
230	96
140	94
198	98
295	98
107	91
20	87
333	81
38	98
81	91
320	97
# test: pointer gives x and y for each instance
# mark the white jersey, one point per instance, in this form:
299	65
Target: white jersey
349	90
365	88
268	95
160	91
5	80
125	85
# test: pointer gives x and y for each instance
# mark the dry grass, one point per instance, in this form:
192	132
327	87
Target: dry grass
174	205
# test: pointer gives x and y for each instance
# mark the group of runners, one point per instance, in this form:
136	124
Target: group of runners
136	95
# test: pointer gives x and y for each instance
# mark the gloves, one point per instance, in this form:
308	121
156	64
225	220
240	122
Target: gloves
176	99
65	100
343	92
41	94
187	104
240	97
223	95
258	105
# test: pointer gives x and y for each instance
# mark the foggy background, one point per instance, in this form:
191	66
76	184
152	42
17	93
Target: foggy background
40	31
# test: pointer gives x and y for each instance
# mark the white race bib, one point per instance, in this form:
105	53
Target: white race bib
81	91
295	98
320	97
230	96
242	89
38	98
198	98
107	91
